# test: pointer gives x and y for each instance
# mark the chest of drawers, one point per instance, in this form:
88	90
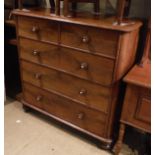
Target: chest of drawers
71	68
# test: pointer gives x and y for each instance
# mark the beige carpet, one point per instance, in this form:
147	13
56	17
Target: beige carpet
33	134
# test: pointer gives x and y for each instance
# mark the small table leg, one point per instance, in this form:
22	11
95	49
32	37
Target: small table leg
118	145
57	7
66	8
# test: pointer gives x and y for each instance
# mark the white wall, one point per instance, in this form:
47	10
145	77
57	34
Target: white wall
48	4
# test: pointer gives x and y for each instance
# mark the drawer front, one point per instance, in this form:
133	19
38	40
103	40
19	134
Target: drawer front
38	29
87	93
137	107
93	40
87	66
143	111
65	109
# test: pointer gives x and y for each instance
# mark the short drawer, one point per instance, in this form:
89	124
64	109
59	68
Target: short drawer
87	93
65	109
93	40
143	111
94	68
38	29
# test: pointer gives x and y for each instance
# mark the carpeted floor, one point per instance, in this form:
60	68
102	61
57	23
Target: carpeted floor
35	134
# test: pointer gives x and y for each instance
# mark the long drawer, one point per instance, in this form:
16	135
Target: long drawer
38	29
87	93
93	40
65	109
87	66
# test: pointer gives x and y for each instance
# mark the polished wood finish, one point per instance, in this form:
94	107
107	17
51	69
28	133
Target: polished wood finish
74	62
37	29
138	97
75	88
120	13
82	19
65	109
140	76
123	7
86	38
136	109
72	70
66	7
119	143
137	103
139	113
126	54
57	7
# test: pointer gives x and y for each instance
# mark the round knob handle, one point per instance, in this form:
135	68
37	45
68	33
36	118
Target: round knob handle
35	52
37	75
84	65
85	39
83	92
35	29
81	116
39	98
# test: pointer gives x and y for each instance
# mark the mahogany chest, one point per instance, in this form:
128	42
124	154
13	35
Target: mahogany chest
71	68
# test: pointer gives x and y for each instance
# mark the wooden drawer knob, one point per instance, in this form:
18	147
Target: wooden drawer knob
84	65
39	98
35	29
85	39
81	116
35	52
37	75
83	92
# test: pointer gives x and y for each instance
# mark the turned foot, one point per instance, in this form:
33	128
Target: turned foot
118	145
26	108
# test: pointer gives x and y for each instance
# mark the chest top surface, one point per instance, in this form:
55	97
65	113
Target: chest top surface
140	75
81	19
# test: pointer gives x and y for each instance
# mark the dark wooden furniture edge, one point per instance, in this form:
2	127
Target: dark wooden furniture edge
106	23
136	126
118	145
140	78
